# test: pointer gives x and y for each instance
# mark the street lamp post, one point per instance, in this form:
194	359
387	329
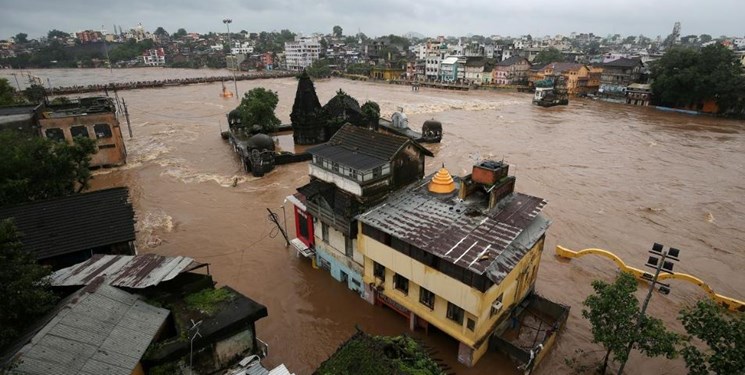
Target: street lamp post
227	22
660	265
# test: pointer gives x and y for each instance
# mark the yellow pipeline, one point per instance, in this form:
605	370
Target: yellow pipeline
726	302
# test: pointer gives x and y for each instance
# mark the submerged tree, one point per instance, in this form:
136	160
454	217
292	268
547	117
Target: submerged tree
7	93
371	113
687	77
319	69
35	93
257	109
723	335
24	288
35	168
613	312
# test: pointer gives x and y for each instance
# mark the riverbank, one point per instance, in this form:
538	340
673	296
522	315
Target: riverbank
118	86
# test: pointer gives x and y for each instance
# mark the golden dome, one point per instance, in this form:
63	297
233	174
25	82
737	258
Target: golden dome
442	182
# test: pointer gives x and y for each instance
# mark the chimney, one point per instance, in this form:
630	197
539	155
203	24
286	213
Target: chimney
492	177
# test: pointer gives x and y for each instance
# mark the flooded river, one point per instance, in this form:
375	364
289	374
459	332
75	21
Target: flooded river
616	177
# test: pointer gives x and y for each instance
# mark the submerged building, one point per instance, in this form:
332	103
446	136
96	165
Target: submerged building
456	253
355	170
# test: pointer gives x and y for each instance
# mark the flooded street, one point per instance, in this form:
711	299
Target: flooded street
615	177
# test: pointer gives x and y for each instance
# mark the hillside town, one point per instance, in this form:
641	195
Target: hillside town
612	67
386	250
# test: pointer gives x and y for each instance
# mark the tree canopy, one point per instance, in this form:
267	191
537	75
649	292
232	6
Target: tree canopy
180	33
613	311
160	31
257	108
722	334
24	289
548	56
7	92
371	112
687	77
35	168
337	31
21	38
52	34
319	69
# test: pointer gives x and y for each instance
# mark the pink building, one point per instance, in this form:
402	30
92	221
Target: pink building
511	71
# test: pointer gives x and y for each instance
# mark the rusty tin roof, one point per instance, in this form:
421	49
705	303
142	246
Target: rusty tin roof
462	232
126	271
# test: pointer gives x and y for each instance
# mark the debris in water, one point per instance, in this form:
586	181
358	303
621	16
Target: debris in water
709	217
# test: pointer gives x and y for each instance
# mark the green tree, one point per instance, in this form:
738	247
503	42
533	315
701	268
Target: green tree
35	168
180	33
160	32
35	93
257	108
723	335
704	38
613	311
371	112
24	288
337	31
7	92
687	77
548	56
359	69
53	34
319	68
21	38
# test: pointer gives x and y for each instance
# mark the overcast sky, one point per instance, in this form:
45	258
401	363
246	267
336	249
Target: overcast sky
382	17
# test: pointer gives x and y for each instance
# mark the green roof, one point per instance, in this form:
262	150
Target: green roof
364	354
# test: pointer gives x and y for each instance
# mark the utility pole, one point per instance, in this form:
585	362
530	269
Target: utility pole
227	22
106	49
15	75
659	264
191	345
126	116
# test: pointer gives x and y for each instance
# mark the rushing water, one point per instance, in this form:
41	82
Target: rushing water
615	176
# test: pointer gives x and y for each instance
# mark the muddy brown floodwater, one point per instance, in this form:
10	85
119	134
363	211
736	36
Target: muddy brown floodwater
616	177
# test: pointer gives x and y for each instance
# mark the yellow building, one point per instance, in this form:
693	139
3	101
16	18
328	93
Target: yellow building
387	74
579	78
455	253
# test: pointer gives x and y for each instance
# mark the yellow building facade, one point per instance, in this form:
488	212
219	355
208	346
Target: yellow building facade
477	305
459	260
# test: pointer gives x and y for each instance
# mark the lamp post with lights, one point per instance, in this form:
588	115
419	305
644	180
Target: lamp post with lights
659	261
227	22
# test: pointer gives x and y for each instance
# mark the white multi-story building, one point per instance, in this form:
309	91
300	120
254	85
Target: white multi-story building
244	48
154	57
432	53
302	52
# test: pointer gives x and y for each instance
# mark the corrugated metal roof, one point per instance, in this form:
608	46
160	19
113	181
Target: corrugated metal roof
363	149
103	330
74	223
280	370
126	271
462	232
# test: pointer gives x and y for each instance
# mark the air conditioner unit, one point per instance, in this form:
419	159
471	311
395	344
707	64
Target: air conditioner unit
496	306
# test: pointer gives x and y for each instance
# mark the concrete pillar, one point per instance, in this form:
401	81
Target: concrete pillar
369	294
412	321
465	355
